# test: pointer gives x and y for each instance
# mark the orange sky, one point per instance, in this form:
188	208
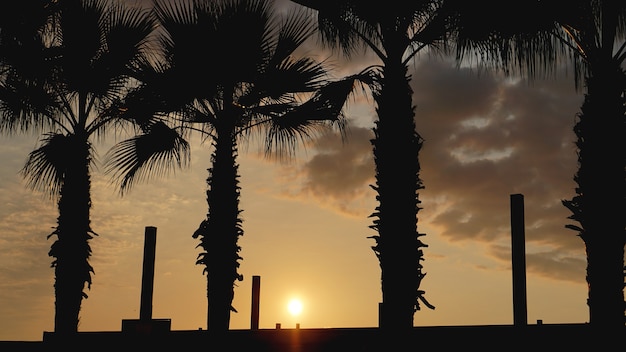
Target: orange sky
306	222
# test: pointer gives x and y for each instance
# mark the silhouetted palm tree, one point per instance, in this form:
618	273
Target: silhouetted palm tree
395	31
231	67
83	63
595	33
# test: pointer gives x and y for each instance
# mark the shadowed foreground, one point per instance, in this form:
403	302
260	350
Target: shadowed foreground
546	337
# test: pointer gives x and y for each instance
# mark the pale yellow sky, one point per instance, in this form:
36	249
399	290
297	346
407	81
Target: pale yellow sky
306	222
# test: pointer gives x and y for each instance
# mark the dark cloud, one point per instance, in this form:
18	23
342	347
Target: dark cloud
338	174
341	167
552	264
556	266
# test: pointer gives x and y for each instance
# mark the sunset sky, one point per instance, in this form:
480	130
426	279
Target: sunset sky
306	221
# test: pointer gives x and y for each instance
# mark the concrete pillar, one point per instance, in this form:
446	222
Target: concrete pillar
518	260
256	292
147	276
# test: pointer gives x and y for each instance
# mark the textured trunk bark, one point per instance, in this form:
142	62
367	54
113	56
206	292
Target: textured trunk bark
221	233
601	193
396	148
71	249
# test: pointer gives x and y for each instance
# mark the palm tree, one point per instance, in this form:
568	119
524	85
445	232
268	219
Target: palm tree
594	31
83	63
395	32
250	78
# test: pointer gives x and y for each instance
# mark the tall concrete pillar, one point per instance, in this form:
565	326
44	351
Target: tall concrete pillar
147	276
518	260
256	294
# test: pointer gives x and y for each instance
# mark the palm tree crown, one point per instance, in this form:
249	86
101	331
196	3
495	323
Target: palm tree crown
249	78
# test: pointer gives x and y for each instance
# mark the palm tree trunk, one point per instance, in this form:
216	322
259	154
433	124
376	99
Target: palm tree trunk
600	203
220	233
396	147
71	249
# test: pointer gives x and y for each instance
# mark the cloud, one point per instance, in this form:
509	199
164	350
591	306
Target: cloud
486	137
551	264
337	175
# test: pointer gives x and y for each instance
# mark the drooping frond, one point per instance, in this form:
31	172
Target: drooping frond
46	166
509	42
323	108
154	153
339	24
295	29
278	83
327	102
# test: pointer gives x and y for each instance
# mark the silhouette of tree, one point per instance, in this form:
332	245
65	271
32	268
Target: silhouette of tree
594	31
395	32
249	79
64	84
21	27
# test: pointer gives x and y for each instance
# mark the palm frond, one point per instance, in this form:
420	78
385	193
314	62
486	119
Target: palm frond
278	84
295	29
24	104
45	168
82	38
129	31
154	153
239	63
177	20
341	24
300	122
301	75
126	43
325	105
510	43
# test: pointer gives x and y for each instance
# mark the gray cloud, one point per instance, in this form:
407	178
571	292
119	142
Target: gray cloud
338	174
552	264
487	138
341	168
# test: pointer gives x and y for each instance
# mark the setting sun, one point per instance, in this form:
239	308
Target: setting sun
295	306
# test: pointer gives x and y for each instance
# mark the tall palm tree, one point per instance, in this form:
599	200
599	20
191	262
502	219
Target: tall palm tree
395	32
594	31
250	78
83	63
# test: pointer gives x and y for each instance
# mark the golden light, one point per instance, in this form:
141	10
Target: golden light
295	306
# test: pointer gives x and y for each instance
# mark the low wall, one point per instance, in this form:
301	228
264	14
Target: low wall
545	337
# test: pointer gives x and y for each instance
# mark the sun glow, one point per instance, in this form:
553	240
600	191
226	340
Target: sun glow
295	306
